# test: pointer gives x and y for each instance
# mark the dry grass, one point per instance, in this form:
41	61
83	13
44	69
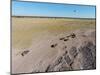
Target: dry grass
24	30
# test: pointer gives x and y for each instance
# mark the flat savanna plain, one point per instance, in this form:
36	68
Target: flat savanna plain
37	35
24	30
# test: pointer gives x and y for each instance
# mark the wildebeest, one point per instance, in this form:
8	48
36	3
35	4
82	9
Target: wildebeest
65	39
53	46
62	38
71	35
24	52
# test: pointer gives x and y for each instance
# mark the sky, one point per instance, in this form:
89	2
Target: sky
22	8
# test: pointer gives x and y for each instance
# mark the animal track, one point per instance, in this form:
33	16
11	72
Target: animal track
73	52
62	63
67	59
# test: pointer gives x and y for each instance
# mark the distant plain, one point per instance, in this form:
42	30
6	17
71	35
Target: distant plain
24	30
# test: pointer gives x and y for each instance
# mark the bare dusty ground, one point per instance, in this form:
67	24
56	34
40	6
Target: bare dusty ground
53	50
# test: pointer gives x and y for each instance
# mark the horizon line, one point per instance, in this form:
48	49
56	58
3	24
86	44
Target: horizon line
19	16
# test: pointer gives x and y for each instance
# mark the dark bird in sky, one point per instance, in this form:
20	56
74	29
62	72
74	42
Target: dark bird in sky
74	11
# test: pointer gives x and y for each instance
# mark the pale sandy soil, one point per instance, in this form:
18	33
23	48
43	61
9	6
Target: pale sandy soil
40	53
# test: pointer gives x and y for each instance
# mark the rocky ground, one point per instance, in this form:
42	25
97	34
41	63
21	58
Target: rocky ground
75	50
